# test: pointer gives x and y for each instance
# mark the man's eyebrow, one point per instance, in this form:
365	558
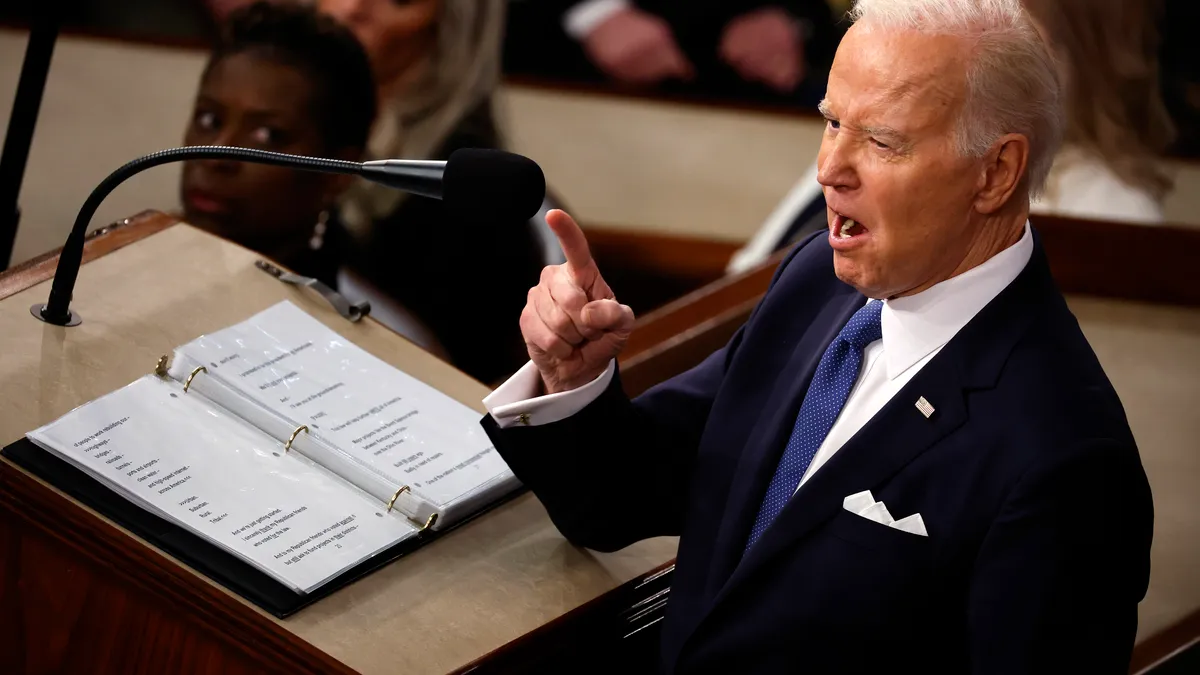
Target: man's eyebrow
885	133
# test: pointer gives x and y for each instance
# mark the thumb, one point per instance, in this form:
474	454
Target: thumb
607	316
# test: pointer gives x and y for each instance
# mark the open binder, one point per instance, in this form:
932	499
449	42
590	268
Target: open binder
276	458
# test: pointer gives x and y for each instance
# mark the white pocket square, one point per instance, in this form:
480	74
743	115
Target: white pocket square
863	504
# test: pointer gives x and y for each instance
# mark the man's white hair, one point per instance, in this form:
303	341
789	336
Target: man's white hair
1013	85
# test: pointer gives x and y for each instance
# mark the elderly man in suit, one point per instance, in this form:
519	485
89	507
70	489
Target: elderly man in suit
909	459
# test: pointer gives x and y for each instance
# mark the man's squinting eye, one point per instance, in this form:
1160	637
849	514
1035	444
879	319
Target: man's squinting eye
834	124
880	144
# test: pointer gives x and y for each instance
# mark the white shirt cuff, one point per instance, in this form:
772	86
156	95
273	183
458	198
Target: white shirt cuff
584	17
516	401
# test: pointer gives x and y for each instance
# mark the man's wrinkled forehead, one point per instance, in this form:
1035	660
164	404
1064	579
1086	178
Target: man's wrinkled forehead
914	79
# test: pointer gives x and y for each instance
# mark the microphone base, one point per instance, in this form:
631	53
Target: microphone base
72	319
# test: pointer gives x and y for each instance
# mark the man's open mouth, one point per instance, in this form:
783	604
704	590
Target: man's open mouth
845	227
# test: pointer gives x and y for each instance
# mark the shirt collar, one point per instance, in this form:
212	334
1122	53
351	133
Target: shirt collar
917	325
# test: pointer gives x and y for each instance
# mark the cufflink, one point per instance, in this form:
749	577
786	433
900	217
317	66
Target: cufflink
523	419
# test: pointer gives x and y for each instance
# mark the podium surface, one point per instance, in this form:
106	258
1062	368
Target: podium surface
78	592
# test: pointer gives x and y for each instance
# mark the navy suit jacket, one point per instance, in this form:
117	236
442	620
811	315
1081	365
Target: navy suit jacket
1026	475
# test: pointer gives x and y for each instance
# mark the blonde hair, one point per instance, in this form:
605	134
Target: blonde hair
461	74
1012	82
1114	106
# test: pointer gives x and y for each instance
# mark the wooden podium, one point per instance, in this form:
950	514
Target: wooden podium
79	594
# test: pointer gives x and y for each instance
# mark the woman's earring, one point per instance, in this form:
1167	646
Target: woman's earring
317	240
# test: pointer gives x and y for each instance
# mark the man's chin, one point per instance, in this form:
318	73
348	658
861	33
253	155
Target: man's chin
851	273
846	268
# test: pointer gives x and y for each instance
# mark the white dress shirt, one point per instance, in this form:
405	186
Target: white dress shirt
915	328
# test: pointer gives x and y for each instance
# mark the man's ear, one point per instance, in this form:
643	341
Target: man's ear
1004	171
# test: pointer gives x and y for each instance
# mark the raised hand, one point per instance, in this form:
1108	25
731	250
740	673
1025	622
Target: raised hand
572	324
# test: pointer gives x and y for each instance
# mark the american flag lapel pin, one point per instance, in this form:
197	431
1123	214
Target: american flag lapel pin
924	406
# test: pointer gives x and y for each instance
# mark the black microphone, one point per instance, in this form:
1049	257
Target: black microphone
474	184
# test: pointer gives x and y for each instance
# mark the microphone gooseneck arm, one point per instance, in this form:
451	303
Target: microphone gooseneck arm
424	178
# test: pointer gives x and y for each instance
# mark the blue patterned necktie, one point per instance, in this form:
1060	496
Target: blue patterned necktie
827	393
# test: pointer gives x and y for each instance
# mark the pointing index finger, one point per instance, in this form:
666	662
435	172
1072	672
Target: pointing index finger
574	246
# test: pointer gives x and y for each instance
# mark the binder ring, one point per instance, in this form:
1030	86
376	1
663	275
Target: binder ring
288	446
399	492
188	383
429	523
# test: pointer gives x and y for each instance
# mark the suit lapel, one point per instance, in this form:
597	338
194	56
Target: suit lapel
766	441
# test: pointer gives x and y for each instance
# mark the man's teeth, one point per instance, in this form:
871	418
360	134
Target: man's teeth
847	225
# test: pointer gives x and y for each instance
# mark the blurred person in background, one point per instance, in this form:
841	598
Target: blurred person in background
436	65
750	49
285	79
1117	126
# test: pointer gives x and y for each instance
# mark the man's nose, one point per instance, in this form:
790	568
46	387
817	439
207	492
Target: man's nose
836	164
